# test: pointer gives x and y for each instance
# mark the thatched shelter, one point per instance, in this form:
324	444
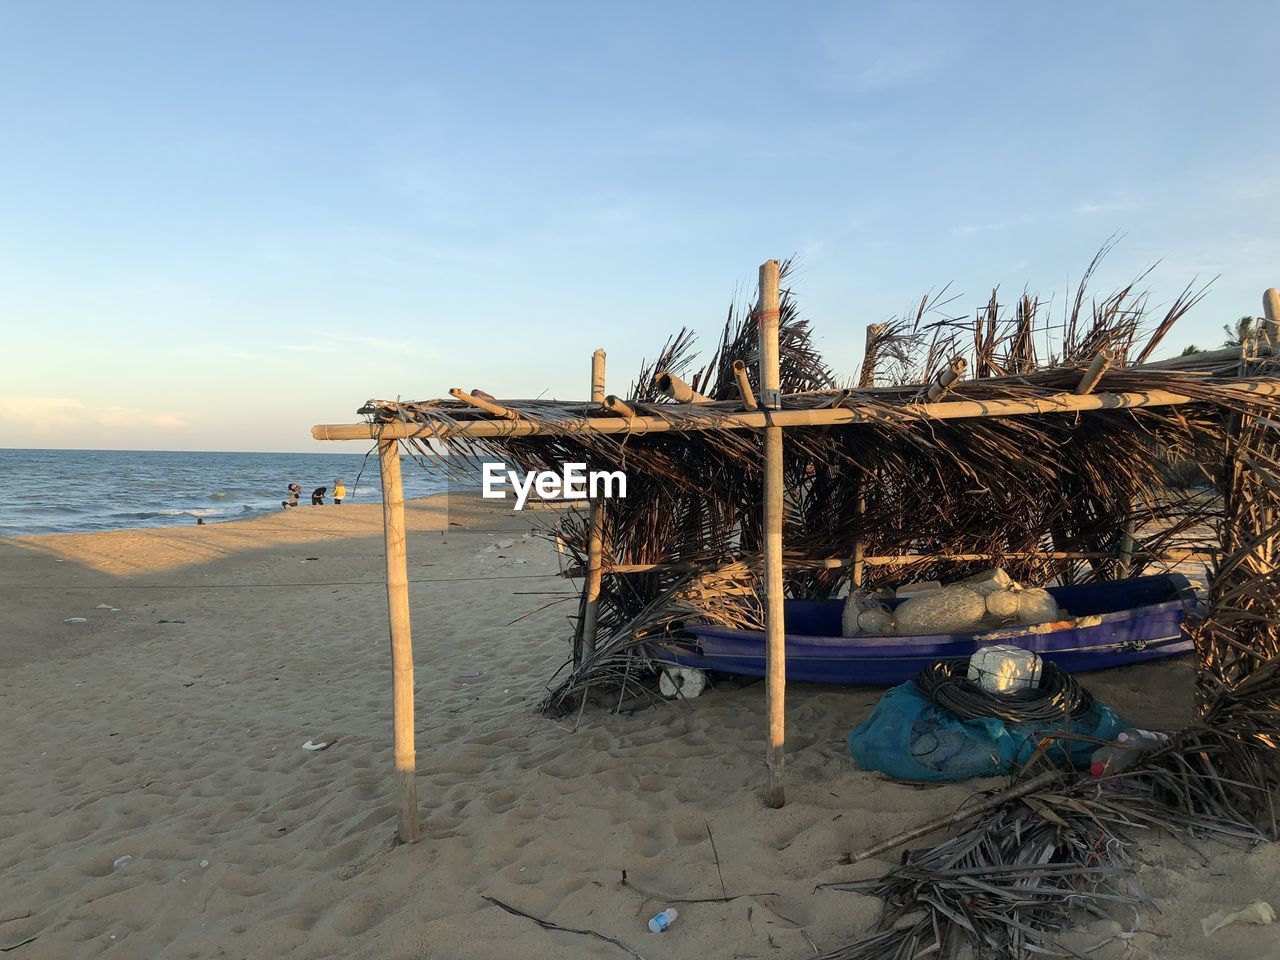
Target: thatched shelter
1050	449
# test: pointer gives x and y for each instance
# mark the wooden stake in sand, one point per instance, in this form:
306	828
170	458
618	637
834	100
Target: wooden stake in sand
774	628
401	637
595	532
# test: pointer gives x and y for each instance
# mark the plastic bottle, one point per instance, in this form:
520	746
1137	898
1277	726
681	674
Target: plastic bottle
1129	745
1142	739
663	920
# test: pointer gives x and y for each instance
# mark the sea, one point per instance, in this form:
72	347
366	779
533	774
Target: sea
66	491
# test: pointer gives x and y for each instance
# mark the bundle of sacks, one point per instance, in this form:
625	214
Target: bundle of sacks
983	602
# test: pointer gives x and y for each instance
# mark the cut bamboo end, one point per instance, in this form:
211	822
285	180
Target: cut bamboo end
618	407
944	381
869	358
481	401
597	376
744	385
1097	367
1271	311
672	386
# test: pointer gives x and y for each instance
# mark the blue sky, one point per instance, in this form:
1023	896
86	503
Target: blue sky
224	222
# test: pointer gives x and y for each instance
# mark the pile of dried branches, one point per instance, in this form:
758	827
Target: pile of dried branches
1015	878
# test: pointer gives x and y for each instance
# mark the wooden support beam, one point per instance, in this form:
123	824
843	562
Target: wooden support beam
943	382
1060	403
597	376
1097	367
672	386
595	536
595	569
618	407
744	385
912	559
1124	563
767	316
481	403
401	638
860	547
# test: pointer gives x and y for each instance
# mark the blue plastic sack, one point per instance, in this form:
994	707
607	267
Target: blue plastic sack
909	737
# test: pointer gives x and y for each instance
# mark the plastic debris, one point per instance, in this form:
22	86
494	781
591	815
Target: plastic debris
684	682
121	862
314	745
76	620
203	864
1259	912
663	920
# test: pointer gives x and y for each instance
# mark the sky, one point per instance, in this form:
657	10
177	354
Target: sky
224	222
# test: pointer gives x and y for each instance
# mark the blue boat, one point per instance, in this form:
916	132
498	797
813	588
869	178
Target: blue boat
1110	624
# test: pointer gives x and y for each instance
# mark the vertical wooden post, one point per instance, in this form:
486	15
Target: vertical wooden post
860	545
401	637
1271	311
595	533
1124	565
774	623
597	376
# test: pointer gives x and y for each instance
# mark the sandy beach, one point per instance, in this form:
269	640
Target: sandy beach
169	727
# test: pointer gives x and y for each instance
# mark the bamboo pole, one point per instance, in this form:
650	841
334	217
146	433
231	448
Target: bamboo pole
946	378
595	535
401	637
859	561
911	559
1060	403
744	385
481	403
597	376
1097	367
1124	564
869	358
672	386
1271	311
616	405
767	316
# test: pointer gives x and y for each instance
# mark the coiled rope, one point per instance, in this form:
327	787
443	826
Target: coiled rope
946	683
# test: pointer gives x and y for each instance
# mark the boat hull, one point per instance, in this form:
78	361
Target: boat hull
1112	624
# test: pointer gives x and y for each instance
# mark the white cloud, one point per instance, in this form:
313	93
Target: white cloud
41	416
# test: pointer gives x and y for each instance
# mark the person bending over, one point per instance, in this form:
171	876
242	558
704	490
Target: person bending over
317	496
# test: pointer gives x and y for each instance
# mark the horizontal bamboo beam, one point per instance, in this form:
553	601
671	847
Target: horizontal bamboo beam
948	410
911	559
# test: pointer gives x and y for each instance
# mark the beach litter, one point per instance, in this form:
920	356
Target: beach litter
76	620
1259	912
320	745
121	862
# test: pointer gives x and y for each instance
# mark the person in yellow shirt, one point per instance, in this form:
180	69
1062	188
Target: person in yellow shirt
339	491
